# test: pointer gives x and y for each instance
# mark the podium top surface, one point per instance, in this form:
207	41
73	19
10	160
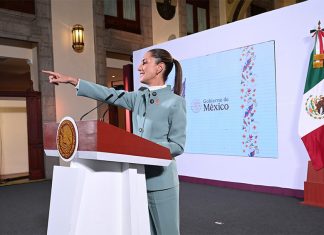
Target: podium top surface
100	137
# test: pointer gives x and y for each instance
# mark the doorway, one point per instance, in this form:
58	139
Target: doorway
16	86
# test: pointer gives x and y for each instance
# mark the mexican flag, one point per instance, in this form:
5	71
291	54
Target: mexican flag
311	121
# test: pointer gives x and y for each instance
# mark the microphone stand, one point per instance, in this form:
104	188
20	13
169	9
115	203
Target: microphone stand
111	95
119	96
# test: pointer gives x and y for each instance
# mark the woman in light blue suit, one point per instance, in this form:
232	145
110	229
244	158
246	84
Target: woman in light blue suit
159	115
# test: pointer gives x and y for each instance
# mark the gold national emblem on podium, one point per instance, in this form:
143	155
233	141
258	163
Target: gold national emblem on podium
66	139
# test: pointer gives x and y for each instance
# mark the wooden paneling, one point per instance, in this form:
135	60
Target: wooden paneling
16	82
35	135
26	6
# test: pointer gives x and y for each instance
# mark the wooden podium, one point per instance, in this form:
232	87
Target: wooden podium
314	187
104	189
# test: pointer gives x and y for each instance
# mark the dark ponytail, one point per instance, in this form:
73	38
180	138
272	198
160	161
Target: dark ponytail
178	78
164	56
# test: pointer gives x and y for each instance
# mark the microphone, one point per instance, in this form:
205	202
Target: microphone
108	97
118	97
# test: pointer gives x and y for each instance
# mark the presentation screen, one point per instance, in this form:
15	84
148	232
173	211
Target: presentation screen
231	102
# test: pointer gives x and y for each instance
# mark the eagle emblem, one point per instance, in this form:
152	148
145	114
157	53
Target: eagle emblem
314	106
66	139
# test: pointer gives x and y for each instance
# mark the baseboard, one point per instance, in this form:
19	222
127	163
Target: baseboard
14	176
242	186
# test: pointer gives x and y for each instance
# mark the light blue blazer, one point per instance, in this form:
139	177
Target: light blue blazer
159	116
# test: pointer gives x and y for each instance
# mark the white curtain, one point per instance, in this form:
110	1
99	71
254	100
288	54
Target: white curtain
190	28
129	11
202	22
110	7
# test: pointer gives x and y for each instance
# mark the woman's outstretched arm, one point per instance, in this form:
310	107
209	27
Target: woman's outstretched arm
57	78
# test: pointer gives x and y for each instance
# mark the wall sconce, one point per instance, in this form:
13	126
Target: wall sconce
78	38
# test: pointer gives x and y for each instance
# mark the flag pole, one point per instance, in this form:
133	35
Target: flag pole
314	184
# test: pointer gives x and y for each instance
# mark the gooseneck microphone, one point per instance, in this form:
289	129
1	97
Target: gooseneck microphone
118	97
108	97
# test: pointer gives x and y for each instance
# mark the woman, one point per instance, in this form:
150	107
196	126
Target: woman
158	115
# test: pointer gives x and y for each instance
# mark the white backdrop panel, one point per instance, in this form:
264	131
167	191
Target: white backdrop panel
289	28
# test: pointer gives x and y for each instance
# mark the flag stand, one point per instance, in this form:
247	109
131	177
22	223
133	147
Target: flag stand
314	187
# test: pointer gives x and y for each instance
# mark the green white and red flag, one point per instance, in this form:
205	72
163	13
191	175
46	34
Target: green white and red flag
311	120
